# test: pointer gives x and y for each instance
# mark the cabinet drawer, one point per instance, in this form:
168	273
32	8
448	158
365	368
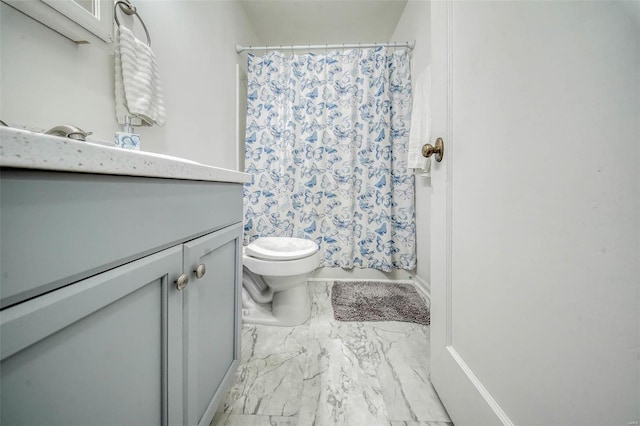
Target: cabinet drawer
58	228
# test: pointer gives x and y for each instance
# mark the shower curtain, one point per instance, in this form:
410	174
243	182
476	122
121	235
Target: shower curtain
326	145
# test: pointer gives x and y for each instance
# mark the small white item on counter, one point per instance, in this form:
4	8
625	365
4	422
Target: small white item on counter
127	141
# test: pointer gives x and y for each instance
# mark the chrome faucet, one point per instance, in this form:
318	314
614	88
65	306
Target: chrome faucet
68	131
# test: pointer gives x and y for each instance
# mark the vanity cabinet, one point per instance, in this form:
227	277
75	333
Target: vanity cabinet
123	344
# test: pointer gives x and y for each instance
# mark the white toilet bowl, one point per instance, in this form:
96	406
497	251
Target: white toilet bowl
275	280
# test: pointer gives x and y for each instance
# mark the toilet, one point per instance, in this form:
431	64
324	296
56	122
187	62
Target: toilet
274	281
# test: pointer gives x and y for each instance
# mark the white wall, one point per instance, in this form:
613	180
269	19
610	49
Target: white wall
46	80
415	25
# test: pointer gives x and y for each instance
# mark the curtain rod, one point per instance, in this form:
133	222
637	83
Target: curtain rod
409	44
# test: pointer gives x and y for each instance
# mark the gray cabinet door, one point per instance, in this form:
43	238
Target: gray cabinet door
97	352
212	321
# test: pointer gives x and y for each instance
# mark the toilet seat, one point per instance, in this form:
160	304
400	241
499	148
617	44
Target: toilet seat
281	248
280	268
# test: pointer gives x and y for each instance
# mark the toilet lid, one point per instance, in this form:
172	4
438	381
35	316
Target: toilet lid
281	248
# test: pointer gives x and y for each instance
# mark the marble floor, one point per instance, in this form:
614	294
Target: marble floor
327	372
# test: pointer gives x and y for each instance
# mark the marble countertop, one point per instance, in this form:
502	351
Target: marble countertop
28	150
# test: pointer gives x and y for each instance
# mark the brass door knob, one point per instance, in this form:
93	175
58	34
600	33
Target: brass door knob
428	150
182	281
200	270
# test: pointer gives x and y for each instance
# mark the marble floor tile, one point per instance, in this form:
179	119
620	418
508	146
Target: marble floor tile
322	324
320	297
340	387
328	372
269	378
222	419
403	350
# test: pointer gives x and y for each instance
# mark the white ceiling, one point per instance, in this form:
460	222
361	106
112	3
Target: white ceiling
300	22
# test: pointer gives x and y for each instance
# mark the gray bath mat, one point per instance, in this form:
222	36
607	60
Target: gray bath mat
378	301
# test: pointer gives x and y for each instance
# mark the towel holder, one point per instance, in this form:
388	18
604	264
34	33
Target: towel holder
130	9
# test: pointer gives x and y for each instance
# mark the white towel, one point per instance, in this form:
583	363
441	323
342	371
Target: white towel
137	83
420	121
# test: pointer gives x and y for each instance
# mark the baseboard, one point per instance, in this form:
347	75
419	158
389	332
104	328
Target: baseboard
366	274
382	280
360	274
479	390
424	288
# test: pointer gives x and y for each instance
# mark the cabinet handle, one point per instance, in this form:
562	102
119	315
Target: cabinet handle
182	281
200	270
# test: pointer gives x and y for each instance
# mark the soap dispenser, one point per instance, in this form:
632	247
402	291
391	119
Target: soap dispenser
127	139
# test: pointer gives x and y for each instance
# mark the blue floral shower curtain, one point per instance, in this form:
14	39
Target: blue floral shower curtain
327	138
